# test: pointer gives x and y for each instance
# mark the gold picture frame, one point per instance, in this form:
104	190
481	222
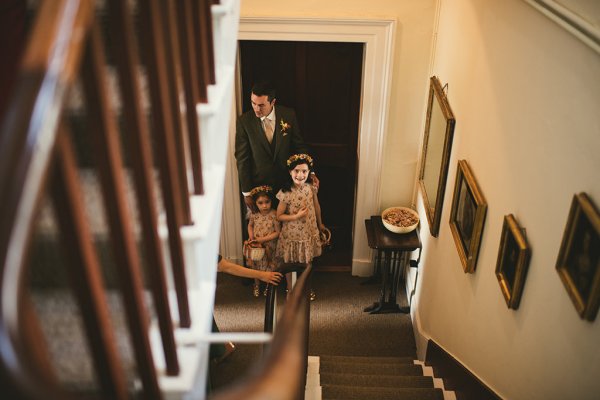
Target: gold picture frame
513	261
435	154
467	216
578	262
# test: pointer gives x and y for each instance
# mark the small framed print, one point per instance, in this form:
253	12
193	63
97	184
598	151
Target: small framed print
513	261
578	262
467	216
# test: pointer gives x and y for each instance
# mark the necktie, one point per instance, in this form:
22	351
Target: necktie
268	129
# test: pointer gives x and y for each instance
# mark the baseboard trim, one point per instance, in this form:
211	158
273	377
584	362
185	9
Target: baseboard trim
456	376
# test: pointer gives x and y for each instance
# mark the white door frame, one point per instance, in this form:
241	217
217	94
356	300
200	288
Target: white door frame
378	37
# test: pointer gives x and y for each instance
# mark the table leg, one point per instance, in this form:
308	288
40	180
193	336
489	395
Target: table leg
390	277
394	273
384	267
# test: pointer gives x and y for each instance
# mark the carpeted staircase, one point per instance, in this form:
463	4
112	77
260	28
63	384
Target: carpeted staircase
352	354
382	378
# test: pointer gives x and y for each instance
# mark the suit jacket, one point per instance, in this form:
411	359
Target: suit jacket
259	164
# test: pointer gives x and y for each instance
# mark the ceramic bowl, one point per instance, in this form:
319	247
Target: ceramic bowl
399	227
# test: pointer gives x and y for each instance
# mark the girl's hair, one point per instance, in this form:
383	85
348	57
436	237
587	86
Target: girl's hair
259	191
292	162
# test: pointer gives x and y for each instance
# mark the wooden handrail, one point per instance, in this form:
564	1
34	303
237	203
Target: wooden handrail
138	138
65	42
84	269
205	52
282	373
175	90
35	146
185	24
154	57
108	154
27	137
269	325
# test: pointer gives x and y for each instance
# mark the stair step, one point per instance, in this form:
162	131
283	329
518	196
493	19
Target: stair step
367	360
376	380
370	369
333	392
63	330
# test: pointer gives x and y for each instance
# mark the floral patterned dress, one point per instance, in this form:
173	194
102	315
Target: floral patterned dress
264	225
299	240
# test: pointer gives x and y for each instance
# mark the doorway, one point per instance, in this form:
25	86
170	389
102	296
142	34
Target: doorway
377	36
322	82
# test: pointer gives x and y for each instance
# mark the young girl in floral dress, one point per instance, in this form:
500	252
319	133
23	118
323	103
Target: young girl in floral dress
263	227
300	214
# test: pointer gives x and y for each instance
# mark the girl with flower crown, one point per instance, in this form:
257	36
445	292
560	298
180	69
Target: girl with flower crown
263	228
300	214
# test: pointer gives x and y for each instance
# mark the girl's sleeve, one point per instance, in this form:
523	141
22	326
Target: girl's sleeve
280	195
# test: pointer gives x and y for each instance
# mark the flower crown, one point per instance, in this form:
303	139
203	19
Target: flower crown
297	157
259	189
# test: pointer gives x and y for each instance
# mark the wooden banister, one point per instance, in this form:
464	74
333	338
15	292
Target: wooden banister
175	94
208	37
204	52
26	144
138	136
282	373
84	269
154	55
66	43
110	166
185	24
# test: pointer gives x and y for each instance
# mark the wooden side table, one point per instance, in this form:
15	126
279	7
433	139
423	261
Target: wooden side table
390	248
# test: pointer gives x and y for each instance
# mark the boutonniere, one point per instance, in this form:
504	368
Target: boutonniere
284	127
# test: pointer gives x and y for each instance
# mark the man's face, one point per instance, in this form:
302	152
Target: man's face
261	105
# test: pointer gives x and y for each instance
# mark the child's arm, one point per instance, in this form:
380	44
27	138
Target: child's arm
233	269
270	236
251	229
317	210
283	217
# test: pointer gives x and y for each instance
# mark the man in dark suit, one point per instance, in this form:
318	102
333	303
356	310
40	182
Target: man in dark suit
265	138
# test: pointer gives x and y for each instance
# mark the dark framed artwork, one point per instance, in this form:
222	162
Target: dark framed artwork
467	216
513	261
578	262
435	155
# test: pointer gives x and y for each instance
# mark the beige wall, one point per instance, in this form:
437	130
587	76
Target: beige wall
412	48
526	96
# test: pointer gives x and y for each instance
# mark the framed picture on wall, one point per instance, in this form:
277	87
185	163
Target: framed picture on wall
435	155
578	262
467	216
513	260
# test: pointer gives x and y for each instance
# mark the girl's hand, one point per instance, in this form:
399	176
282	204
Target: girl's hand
302	213
315	181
